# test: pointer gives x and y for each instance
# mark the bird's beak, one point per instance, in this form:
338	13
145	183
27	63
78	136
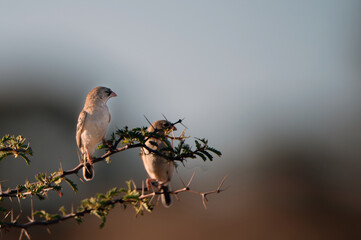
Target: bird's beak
113	94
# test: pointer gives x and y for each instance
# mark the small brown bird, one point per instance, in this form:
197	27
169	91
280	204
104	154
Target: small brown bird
158	168
92	126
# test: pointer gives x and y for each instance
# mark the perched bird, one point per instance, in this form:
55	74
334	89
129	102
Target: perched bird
158	168
92	126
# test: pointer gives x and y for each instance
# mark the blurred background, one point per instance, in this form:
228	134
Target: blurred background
274	85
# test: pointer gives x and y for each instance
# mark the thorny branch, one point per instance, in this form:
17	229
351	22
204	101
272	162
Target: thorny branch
139	200
100	205
128	139
61	174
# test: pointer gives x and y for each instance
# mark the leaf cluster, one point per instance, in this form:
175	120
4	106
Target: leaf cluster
100	206
44	184
184	151
125	136
15	146
139	136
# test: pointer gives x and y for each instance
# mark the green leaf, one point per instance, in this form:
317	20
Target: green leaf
14	146
78	219
57	180
100	195
198	145
27	160
40	177
102	146
40	188
72	184
113	192
209	156
215	151
41	197
147	206
203	140
201	155
62	210
103	223
5	154
40	213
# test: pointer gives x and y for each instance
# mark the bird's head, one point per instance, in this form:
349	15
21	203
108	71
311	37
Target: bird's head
162	127
101	93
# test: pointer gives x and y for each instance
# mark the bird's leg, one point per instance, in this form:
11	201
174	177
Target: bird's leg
149	182
164	183
90	160
88	171
160	185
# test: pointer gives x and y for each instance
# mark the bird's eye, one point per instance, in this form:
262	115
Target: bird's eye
108	92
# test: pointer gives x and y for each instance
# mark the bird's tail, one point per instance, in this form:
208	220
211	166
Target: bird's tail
88	171
165	197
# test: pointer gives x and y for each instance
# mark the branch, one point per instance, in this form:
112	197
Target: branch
56	218
128	139
8	149
110	152
103	203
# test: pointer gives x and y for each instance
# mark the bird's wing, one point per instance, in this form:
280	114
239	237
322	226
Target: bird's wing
80	126
142	153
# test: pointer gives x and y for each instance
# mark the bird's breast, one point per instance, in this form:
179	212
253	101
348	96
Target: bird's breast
97	122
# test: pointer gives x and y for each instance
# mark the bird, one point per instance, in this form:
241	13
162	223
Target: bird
159	169
92	126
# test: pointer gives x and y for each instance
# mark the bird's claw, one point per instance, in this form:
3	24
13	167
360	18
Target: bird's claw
149	182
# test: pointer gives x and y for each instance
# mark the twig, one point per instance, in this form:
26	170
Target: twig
8	149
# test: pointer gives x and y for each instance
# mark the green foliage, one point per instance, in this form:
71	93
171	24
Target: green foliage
180	152
62	210
127	136
44	184
15	146
47	216
184	151
101	204
203	149
140	204
107	160
71	184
